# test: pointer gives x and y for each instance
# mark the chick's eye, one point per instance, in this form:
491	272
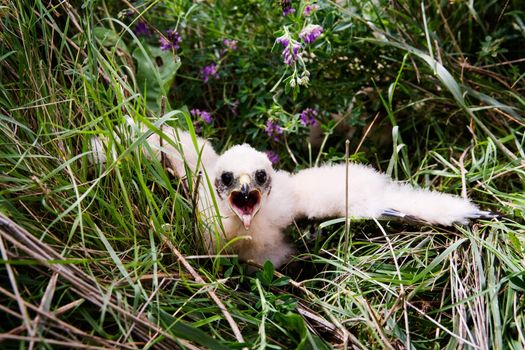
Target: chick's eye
260	177
227	178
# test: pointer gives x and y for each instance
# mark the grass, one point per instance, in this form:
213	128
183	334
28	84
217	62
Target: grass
110	257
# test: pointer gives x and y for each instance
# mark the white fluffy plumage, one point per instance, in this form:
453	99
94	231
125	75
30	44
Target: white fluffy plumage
256	203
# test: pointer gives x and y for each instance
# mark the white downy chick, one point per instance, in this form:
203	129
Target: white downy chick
256	203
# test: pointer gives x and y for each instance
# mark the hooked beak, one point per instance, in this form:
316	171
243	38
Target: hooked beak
245	190
246	202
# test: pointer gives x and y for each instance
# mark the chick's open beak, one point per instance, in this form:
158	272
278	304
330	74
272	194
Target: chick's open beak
245	201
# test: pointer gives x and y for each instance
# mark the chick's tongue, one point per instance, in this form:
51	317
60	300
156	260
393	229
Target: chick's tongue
246	220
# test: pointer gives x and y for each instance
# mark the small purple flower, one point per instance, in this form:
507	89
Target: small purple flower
204	115
272	156
173	36
288	11
308	9
310	33
286	5
171	41
291	48
307	117
230	44
284	40
141	29
209	71
291	53
197	127
273	129
165	45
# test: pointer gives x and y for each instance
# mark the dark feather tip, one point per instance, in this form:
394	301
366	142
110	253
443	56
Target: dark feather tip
392	213
389	214
483	215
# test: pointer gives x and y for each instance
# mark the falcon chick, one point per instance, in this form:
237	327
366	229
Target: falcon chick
256	202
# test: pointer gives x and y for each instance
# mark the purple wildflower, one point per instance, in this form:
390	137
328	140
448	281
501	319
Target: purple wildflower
289	11
308	9
173	36
197	127
230	44
272	156
273	129
307	117
171	41
310	33
284	40
291	53
204	115
286	5
209	71
165	45
141	29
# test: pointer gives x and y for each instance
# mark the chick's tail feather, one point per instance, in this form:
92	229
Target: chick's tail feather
479	215
408	203
319	192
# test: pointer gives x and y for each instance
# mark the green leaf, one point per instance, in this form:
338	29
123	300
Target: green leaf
342	26
518	283
294	323
266	275
107	37
156	71
515	242
182	330
282	281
